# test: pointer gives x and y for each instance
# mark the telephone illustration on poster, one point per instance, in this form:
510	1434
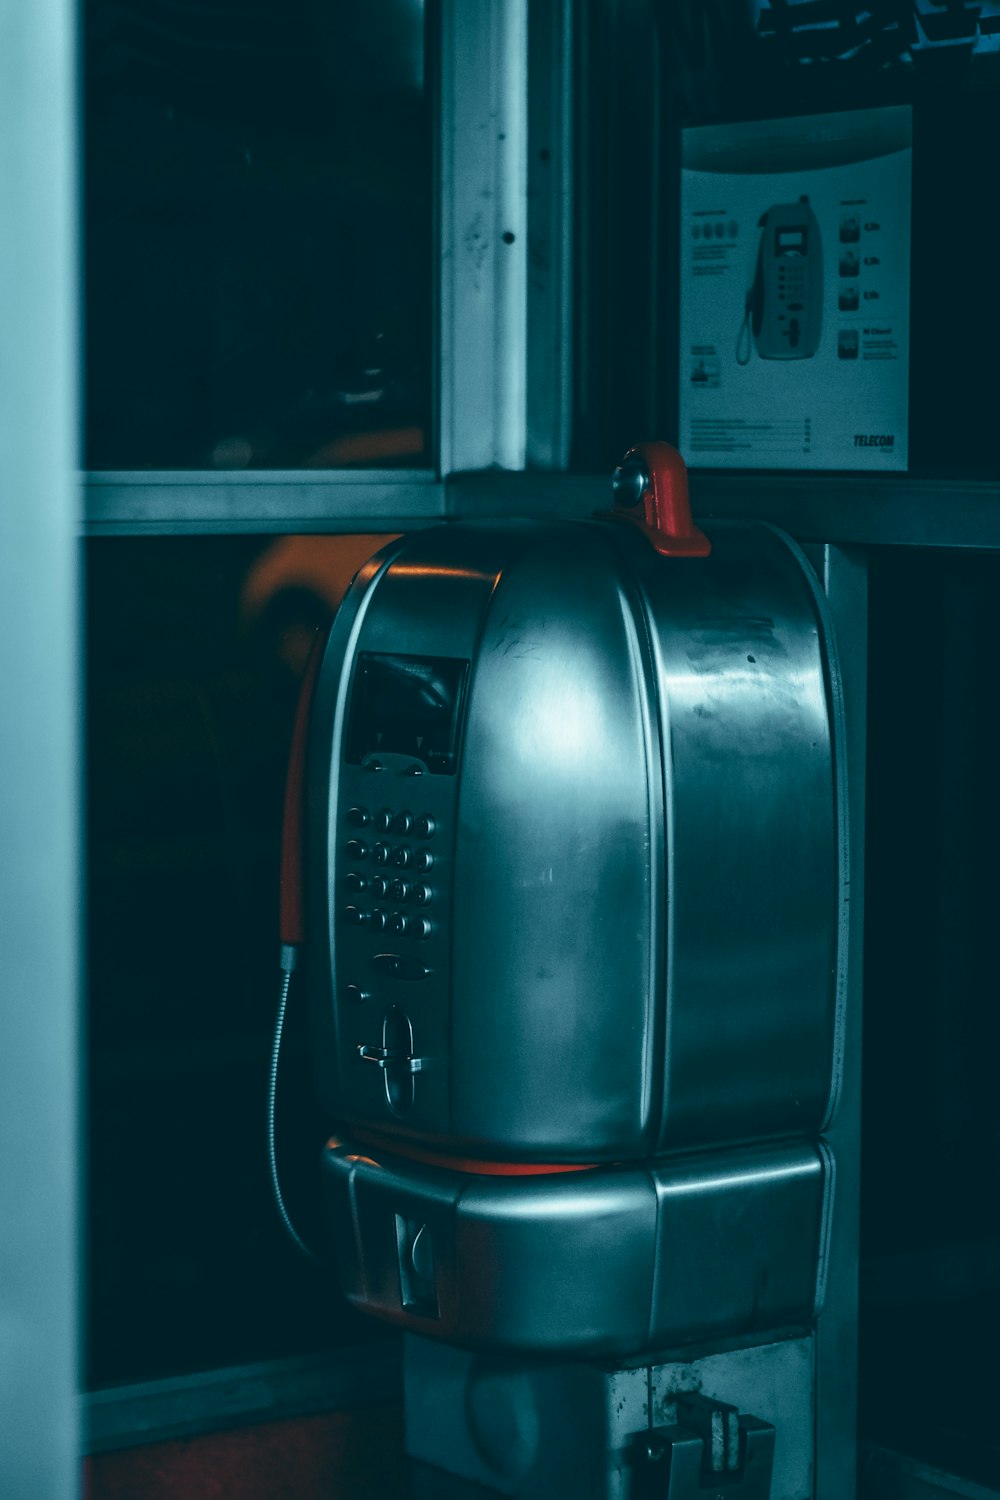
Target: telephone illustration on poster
794	308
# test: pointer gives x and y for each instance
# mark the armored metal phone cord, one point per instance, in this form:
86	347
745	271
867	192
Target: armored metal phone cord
743	345
288	957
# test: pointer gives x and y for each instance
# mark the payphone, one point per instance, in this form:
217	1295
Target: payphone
575	890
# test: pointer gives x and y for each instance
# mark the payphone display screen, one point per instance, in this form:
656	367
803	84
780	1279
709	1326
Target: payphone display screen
790	241
408	705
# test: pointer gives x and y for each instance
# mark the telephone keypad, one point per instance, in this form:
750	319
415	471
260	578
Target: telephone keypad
390	856
391	923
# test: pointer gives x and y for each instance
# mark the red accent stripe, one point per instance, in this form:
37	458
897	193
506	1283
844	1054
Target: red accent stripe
468	1163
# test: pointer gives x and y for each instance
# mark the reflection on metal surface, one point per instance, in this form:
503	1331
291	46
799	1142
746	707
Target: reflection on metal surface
638	737
768	1174
629	481
566	721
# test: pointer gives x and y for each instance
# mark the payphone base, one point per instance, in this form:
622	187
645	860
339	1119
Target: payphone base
479	1426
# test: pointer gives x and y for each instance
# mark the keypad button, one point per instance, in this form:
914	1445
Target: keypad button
425	826
354	916
379	920
354	882
401	857
423	860
357	849
399	923
380	886
420	928
383	819
400	890
422	895
402	822
382	854
359	817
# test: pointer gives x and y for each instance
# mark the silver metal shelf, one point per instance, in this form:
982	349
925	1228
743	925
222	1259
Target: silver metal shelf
859	510
865	510
185	502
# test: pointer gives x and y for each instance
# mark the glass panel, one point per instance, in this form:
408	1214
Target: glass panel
196	648
258	225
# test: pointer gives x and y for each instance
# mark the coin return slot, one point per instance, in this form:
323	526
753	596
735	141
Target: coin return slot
415	1250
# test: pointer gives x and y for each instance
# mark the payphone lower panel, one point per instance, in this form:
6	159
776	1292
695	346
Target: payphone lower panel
608	1261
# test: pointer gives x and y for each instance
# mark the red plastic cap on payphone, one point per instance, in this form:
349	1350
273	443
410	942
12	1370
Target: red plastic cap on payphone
651	492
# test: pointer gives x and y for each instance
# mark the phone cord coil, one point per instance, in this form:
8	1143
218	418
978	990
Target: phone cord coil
289	955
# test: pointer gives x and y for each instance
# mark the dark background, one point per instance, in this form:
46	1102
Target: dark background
258	220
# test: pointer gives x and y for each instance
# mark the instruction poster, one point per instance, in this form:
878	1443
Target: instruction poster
795	292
